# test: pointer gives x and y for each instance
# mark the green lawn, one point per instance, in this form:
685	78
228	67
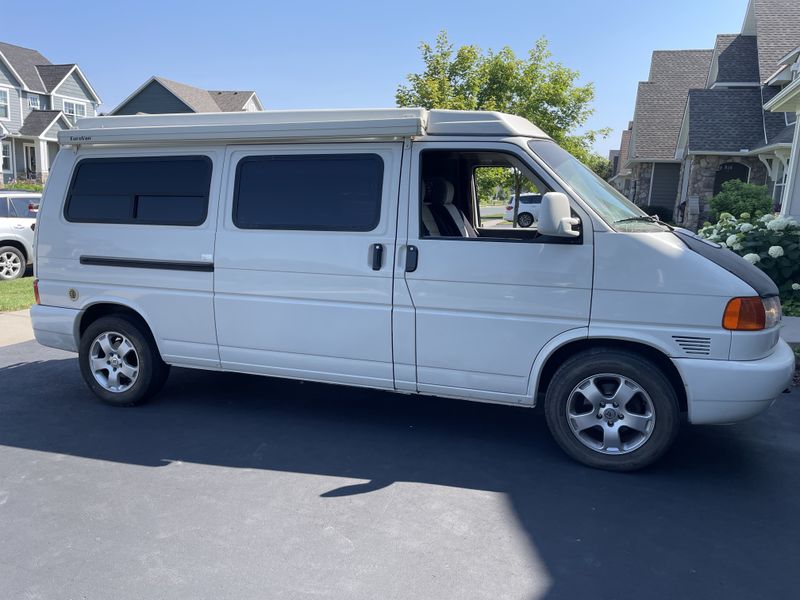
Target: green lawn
17	294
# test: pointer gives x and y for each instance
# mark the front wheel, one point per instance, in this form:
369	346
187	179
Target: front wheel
120	362
612	409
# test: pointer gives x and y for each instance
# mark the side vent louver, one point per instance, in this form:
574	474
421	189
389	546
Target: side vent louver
693	345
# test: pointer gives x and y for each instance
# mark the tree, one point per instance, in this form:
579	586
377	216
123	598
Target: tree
535	87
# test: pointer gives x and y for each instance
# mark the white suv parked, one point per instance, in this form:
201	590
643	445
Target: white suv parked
17	223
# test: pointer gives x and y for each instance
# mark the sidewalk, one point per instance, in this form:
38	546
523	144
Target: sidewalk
15	327
791	330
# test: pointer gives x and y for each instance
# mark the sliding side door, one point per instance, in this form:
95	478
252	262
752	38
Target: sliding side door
304	259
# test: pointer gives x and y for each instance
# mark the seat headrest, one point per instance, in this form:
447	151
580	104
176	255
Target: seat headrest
438	191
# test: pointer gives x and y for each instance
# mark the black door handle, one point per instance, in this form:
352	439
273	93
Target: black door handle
412	256
377	257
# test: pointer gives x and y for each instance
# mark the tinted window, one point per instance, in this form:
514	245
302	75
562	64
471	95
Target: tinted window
22	207
155	191
328	193
3	208
530	199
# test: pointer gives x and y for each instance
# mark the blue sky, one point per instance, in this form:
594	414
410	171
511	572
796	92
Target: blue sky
306	54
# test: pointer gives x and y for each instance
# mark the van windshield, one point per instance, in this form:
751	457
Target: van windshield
616	210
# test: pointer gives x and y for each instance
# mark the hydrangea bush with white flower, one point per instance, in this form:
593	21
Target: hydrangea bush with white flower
770	242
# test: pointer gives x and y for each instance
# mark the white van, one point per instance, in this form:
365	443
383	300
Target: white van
177	240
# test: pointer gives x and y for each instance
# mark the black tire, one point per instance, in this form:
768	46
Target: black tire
20	257
152	372
651	380
525	219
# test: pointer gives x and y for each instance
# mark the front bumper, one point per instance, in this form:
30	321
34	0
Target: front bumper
726	391
55	327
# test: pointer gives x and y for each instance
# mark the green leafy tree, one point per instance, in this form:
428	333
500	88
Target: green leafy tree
535	87
738	197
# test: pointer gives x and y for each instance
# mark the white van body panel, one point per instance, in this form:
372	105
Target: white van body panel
176	304
307	304
484	308
650	288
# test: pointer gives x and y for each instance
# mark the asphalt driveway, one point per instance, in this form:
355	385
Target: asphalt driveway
242	487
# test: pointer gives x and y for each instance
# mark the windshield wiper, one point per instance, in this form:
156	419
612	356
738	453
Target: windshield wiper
645	219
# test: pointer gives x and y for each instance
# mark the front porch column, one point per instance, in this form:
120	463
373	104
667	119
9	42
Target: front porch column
42	160
791	194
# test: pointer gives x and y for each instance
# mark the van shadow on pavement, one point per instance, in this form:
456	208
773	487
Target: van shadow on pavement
718	517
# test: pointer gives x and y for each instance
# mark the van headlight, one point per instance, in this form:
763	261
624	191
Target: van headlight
752	313
772	311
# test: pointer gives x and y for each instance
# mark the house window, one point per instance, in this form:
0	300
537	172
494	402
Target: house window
33	102
4	106
6	157
74	111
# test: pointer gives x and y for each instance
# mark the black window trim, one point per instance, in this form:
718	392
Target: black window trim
326	156
533	239
132	221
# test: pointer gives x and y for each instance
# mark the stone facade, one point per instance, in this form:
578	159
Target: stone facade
641	173
701	180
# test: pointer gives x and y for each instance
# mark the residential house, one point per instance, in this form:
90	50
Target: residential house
158	95
621	172
37	100
787	101
660	104
723	130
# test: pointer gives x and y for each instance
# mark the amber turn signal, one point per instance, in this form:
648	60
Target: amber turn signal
745	314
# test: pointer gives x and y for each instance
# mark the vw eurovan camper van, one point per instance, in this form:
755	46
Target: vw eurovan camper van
356	247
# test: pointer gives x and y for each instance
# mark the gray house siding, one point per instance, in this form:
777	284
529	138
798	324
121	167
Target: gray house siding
666	179
73	87
153	99
52	133
15	121
6	78
58	104
44	103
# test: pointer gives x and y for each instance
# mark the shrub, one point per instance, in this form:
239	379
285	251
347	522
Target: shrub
772	243
738	197
24	185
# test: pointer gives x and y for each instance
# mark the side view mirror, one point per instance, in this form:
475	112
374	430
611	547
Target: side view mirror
555	216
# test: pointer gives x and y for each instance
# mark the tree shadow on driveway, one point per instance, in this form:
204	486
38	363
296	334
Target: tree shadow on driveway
718	517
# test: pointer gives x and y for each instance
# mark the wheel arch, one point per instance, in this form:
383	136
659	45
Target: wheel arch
548	362
19	245
102	308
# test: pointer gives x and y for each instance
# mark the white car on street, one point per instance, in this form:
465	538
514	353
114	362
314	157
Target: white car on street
528	211
17	223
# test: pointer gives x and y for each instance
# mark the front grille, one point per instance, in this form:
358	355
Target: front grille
693	345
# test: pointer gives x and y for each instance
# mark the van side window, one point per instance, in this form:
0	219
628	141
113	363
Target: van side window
329	192
478	195
3	208
165	190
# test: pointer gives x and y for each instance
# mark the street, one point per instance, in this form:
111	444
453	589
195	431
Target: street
232	486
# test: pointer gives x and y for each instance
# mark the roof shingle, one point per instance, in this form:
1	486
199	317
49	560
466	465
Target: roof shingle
24	61
37	122
737	58
778	28
725	120
660	102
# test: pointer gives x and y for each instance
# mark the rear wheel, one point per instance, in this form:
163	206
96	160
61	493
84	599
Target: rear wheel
525	219
12	263
120	362
612	410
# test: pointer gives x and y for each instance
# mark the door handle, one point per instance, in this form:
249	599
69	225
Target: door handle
377	257
412	257
18	226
